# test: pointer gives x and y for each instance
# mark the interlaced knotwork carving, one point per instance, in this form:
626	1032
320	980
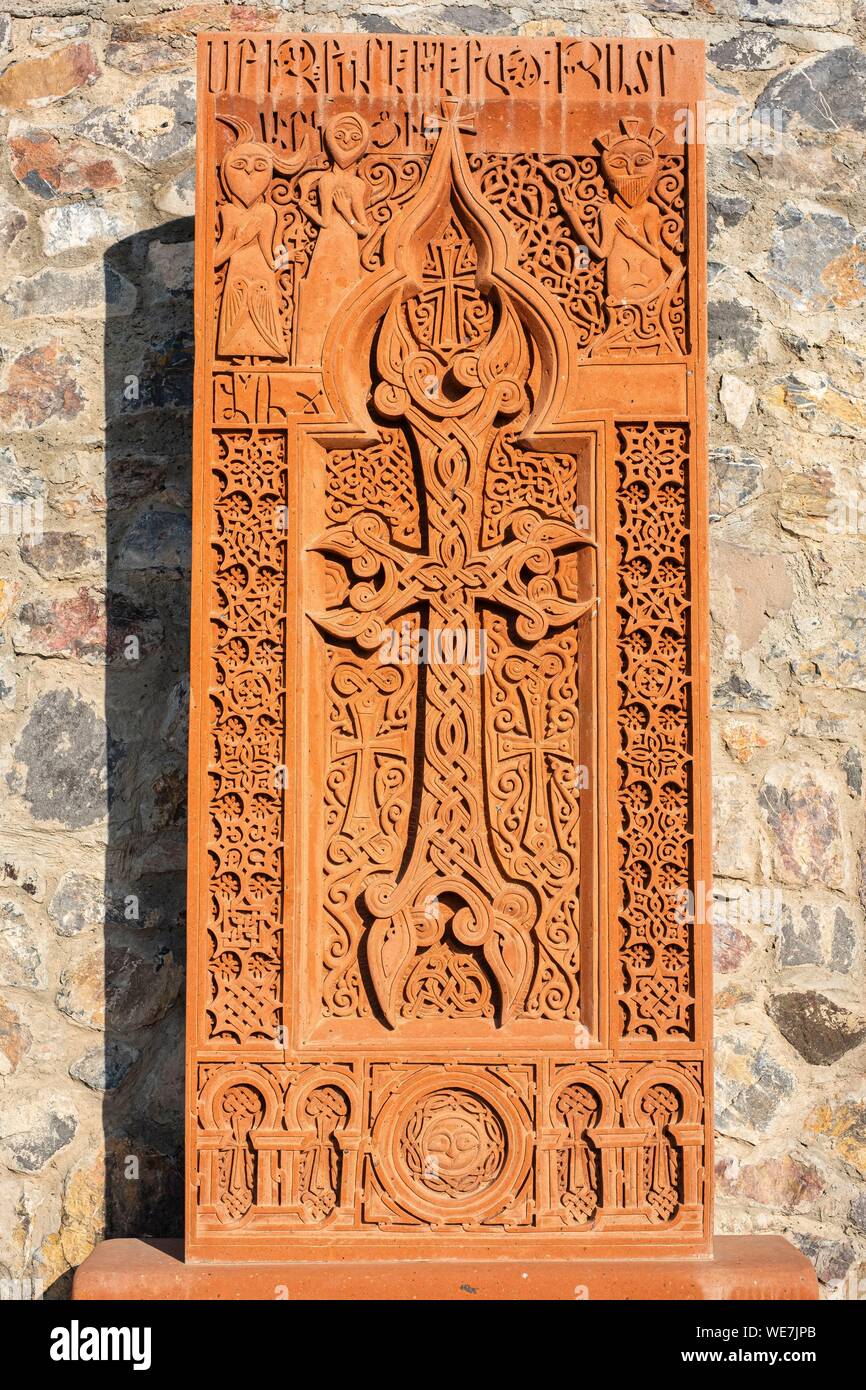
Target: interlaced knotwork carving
448	982
577	1160
321	1161
552	204
534	786
515	477
379	479
657	992
248	729
454	359
242	1109
530	192
371	712
661	1106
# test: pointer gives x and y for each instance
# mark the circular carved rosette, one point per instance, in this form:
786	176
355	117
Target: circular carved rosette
451	1149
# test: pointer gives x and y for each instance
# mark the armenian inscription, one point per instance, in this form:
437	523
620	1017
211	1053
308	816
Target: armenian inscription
448	806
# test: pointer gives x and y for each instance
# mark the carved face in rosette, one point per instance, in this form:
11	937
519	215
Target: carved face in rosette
346	139
247	171
453	1143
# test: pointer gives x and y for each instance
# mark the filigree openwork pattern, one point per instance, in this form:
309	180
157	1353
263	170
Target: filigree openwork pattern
245	845
655	761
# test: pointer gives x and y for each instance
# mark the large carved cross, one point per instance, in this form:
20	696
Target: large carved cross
453	385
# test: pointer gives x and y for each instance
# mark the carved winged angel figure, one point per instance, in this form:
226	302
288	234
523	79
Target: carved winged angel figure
249	322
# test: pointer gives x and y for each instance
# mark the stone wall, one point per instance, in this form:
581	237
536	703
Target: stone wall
96	201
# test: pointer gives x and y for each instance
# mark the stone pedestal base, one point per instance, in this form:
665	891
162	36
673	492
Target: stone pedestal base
741	1267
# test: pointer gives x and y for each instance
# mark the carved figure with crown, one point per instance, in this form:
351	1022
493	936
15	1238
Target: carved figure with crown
642	273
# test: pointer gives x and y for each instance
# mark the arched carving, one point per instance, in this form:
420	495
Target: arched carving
463	345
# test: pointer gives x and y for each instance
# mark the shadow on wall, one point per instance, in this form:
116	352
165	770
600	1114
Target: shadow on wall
148	411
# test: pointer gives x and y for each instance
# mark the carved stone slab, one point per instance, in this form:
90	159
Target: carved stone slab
447	982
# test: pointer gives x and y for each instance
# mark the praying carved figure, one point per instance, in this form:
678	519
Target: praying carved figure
339	211
642	273
249	322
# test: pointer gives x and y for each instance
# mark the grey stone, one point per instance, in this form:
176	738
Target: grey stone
78	905
126	985
93	291
64	749
799	939
177	197
816	14
818	1029
63	554
832	1258
805	244
169	272
478	19
75	225
746	53
143	981
378	24
157	540
853	769
736	478
165	376
724	210
732	327
17	483
737	693
21	964
155	125
51	31
104	1069
750	1092
857	1212
841	659
843	942
827	93
46	1132
161	900
12	224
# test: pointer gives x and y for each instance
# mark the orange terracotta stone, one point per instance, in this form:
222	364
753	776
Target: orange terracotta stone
448	762
41	79
742	1267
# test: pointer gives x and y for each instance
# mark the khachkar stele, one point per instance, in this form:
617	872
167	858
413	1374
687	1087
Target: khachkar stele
448	798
